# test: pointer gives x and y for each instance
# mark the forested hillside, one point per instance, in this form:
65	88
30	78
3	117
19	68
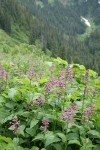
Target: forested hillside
58	26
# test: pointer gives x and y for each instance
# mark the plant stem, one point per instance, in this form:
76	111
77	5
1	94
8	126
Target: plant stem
84	95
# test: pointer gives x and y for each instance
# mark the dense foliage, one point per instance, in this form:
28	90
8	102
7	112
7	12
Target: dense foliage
47	104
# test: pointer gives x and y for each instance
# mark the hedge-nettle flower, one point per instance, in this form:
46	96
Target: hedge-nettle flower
70	112
89	111
60	83
30	73
62	75
14	124
39	101
3	73
48	86
69	73
86	78
45	124
94	91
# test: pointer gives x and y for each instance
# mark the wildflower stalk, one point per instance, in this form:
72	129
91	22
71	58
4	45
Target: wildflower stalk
83	102
84	95
68	78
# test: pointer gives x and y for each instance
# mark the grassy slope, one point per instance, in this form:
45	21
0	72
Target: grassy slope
14	49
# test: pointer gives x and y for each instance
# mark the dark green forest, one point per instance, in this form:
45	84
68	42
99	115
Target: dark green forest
57	26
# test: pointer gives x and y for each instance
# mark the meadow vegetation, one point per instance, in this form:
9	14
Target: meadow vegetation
46	103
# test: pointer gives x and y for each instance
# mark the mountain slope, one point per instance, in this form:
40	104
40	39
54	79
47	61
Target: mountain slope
59	23
14	17
56	14
57	26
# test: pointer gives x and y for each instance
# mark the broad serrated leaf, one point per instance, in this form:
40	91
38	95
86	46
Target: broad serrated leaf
5	139
34	148
12	92
21	130
3	145
58	146
3	115
33	123
30	131
74	142
39	137
73	136
94	133
50	138
62	136
2	100
25	114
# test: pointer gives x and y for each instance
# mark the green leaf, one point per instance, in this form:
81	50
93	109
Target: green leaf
60	61
94	133
97	105
93	73
2	100
34	148
73	136
21	130
16	141
30	131
3	115
11	146
58	146
25	114
39	137
33	123
50	138
24	81
8	118
12	92
3	146
62	136
74	142
85	148
7	140
43	80
97	147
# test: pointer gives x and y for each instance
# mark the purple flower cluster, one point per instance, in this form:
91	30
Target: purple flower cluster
89	111
59	83
62	75
3	73
48	86
14	124
45	124
39	101
54	82
86	77
70	112
69	73
30	73
94	91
